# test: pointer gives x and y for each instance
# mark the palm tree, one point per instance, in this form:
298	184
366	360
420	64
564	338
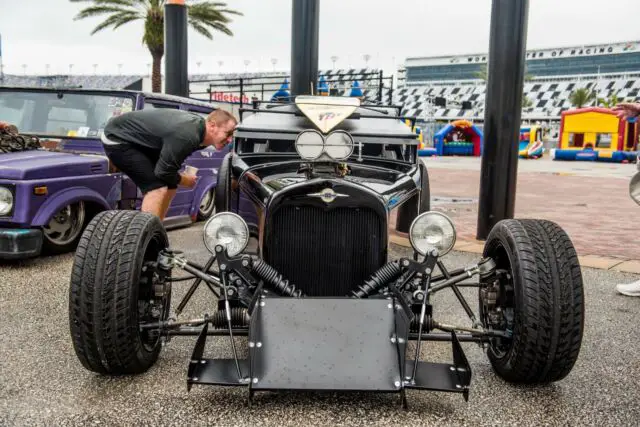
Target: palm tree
581	97
526	102
611	101
203	16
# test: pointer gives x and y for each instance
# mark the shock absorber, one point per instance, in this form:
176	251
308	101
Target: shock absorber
383	276
273	279
239	318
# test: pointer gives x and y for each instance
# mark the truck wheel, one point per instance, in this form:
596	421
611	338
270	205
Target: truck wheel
63	231
223	187
537	296
425	193
112	295
207	205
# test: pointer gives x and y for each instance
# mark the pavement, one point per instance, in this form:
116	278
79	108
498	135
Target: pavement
43	384
589	200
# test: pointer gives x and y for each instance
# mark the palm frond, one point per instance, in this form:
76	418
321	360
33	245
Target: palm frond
116	21
99	10
200	29
128	3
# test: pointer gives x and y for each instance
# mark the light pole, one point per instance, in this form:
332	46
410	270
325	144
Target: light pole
198	64
70	68
46	68
246	64
95	67
334	59
274	61
24	69
366	58
120	69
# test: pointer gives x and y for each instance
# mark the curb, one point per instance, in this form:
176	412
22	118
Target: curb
621	265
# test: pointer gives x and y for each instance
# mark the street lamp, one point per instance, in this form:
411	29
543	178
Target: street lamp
246	64
334	59
95	67
24	69
198	64
366	58
274	62
46	67
119	68
70	68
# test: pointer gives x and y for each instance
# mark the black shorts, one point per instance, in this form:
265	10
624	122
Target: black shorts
138	163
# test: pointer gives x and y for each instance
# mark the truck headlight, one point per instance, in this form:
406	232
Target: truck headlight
6	201
228	230
432	230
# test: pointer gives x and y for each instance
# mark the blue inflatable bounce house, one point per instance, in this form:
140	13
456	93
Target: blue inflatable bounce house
458	138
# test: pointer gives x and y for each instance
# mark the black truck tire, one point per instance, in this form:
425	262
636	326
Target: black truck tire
547	299
223	186
108	292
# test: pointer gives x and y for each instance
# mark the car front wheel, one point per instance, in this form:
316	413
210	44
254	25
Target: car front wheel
115	292
536	298
63	231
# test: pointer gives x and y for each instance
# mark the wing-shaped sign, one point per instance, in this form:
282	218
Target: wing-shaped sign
326	112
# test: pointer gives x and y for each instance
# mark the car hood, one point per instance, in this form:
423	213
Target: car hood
261	182
38	164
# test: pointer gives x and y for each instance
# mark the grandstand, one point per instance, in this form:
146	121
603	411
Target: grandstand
451	87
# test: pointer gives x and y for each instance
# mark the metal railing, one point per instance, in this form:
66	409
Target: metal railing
248	90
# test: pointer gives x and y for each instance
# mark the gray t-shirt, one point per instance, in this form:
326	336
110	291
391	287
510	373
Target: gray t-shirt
175	134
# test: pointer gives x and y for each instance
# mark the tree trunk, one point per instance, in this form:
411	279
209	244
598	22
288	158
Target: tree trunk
156	73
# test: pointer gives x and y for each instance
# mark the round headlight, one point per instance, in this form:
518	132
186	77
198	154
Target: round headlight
432	230
339	145
228	230
309	144
6	201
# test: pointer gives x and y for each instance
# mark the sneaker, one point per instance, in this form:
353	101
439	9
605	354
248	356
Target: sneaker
630	289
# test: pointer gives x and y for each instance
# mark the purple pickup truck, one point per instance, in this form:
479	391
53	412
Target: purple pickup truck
48	195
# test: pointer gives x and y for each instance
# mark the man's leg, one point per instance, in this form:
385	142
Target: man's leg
157	201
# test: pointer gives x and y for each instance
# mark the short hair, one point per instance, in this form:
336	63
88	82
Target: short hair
220	117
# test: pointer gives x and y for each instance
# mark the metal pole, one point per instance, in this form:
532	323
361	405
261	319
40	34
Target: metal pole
175	45
380	87
305	31
498	175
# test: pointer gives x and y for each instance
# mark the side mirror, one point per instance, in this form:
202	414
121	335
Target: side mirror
634	188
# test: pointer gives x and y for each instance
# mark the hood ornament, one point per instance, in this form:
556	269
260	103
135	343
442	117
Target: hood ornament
327	195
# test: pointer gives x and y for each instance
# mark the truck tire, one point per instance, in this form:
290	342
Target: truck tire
207	205
223	187
110	296
63	231
541	301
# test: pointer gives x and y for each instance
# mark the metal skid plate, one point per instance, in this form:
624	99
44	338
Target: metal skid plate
326	344
454	377
217	372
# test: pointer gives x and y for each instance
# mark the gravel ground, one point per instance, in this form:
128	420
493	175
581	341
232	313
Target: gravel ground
42	382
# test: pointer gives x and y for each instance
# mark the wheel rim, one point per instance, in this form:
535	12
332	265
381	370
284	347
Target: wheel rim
66	225
207	204
502	316
154	298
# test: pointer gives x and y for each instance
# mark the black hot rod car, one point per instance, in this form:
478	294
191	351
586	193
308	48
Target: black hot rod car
322	306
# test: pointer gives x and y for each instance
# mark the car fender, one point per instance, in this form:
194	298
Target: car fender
65	197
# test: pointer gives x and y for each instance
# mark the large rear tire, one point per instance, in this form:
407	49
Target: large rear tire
110	295
539	298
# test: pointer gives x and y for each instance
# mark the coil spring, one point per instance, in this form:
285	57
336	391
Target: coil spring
239	318
274	279
385	274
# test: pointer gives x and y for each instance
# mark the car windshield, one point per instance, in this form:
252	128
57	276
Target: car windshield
61	114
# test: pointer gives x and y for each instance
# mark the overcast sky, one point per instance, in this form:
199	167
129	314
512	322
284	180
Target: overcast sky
39	32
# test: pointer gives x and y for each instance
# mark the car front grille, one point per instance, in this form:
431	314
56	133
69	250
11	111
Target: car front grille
326	253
